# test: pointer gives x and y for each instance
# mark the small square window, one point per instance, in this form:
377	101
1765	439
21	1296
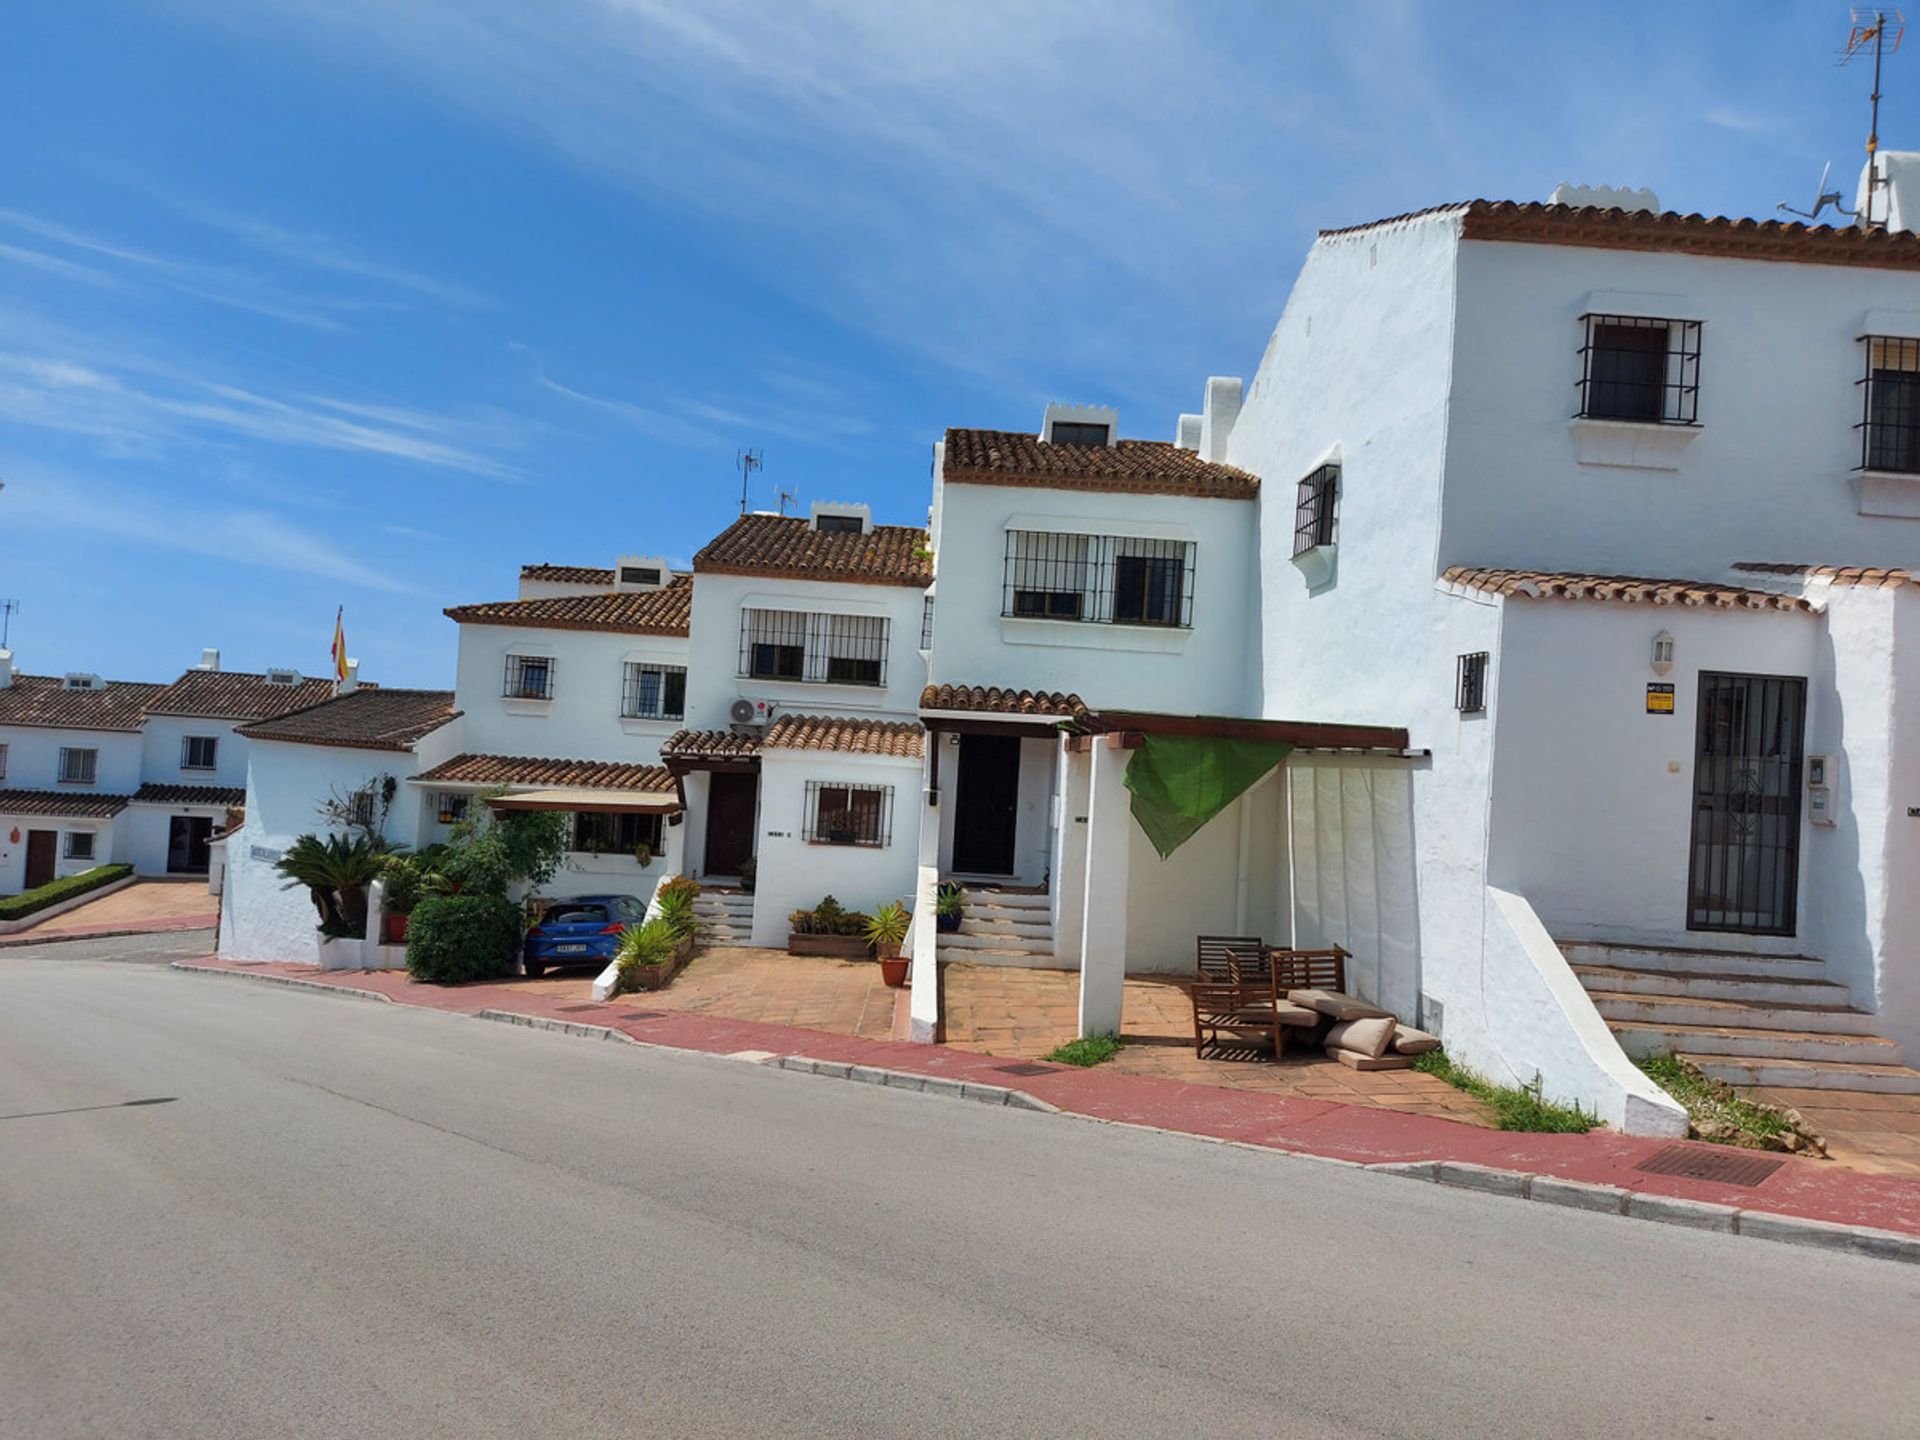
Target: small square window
79	845
653	692
849	814
639	575
1470	684
200	752
1076	432
529	677
1636	368
839	524
78	767
1890	427
1316	510
451	808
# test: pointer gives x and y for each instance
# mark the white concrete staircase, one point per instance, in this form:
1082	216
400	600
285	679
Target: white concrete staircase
1002	927
1743	1019
726	917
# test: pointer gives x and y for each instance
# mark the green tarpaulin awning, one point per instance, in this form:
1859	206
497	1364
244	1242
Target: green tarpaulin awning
1180	782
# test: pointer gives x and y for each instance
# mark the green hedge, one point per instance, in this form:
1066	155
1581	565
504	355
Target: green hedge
14	907
452	939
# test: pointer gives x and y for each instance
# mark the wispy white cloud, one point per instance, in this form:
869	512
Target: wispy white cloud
1727	117
324	252
54	265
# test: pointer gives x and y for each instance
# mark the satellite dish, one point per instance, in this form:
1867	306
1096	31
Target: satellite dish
1822	198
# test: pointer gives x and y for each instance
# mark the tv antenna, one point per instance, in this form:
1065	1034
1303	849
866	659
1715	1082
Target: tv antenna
7	607
1875	28
746	462
789	497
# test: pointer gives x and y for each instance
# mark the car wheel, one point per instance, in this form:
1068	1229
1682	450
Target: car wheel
535	969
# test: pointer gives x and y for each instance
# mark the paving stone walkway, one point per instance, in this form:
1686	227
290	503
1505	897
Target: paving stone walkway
145	905
1878	1134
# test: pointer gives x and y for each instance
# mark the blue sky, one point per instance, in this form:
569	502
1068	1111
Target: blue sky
361	302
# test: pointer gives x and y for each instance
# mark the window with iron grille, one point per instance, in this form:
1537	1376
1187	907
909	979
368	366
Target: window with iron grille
815	649
1634	368
450	806
1112	579
1890	416
1079	432
639	574
926	623
622	834
199	752
1316	509
79	845
1470	684
77	767
529	677
360	808
849	814
839	525
653	692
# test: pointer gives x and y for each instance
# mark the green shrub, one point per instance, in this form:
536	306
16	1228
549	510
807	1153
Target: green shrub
405	881
646	946
1514	1107
679	885
491	852
676	909
1087	1050
16	907
452	939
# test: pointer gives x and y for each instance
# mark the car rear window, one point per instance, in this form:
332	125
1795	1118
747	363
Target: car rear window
576	915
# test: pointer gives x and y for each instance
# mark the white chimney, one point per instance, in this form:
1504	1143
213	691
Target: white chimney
1186	432
1217	415
1605	197
6	669
1899	176
209	659
352	682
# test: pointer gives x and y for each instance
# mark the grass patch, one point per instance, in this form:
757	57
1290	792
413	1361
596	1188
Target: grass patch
1515	1107
1718	1112
1088	1050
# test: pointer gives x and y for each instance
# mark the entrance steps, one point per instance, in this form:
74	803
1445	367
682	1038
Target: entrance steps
1002	927
1745	1019
726	916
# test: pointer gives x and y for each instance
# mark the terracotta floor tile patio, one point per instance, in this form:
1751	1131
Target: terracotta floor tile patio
1011	1010
1878	1134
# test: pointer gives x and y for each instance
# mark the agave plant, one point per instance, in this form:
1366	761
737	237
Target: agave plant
336	872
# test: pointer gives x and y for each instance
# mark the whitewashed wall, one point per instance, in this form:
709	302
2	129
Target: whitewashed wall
1196	890
146	833
33	759
583	720
162	748
13	854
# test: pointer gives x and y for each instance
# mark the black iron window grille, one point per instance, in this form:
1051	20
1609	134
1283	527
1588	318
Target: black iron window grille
1470	684
639	574
199	752
813	649
1743	874
1316	510
849	814
1635	368
1890	414
360	808
451	807
78	767
79	845
653	692
1110	579
616	834
926	623
529	677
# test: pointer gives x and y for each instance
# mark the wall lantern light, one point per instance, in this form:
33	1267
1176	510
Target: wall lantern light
1662	653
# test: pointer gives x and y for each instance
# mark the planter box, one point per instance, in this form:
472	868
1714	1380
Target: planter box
656	977
342	953
843	947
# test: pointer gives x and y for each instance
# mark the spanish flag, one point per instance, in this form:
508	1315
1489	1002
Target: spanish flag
340	645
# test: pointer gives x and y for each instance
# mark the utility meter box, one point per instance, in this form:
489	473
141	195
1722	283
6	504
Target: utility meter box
1820	778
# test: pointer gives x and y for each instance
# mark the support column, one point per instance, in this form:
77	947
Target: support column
1103	933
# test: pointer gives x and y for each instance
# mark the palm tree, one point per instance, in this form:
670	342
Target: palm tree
336	872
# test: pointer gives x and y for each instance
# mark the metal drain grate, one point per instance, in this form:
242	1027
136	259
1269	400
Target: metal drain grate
1697	1164
1026	1067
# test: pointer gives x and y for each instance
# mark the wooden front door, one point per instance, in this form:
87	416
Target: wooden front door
42	847
986	794
732	796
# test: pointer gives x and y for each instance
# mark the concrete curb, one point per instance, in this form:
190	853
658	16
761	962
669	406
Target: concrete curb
907	1080
187	967
1664	1209
561	1027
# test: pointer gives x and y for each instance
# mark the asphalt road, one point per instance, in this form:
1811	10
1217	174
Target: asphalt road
231	1209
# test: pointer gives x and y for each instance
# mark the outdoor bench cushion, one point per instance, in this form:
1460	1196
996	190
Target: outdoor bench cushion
1339	1006
1409	1041
1368	1037
1291	1014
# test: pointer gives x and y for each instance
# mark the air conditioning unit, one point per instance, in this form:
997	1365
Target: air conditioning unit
750	714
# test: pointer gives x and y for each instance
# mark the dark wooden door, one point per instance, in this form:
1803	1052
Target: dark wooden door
731	799
42	846
187	839
986	804
1744	872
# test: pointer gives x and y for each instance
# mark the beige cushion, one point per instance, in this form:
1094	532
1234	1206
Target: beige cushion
1291	1014
1369	1037
1409	1041
1339	1006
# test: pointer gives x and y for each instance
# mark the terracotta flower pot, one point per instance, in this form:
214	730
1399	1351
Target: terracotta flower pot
395	927
893	970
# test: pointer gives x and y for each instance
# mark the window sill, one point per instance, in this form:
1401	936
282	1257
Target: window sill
1319	564
647	724
848	844
1630	444
522	705
1094	635
77	784
1894	494
808	687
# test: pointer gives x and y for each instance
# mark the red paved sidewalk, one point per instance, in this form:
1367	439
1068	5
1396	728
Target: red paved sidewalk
1812	1189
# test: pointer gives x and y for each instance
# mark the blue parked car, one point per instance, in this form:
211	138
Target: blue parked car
584	930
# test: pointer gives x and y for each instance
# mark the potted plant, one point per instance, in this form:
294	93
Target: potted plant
403	883
749	869
828	929
948	907
643	853
650	954
886	928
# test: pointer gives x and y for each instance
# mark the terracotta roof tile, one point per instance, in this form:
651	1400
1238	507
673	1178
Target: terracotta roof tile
568	574
363	719
1154	467
788	547
153	794
1867	577
534	770
235	695
44	700
629	612
709	745
903	738
1543	584
992	700
77	804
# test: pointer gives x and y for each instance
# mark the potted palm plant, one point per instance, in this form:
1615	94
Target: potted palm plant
948	906
886	928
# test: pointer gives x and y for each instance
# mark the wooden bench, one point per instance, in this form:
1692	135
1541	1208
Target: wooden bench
1238	990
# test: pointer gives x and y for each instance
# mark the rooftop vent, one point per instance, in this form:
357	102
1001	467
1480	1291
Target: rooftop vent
283	677
76	681
836	517
1605	197
209	659
641	573
1080	425
6	668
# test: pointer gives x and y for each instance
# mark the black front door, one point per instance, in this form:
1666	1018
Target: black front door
731	797
1744	873
41	849
187	837
986	796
